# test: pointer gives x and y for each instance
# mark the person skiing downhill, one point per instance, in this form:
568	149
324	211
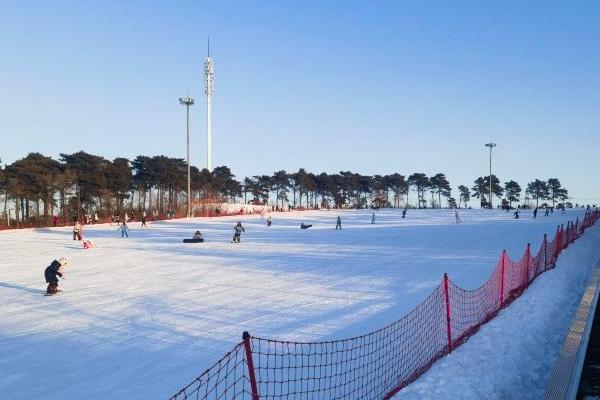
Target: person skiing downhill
238	229
51	273
373	219
338	224
535	213
123	228
404	213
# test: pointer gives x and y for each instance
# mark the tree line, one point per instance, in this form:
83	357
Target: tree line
37	187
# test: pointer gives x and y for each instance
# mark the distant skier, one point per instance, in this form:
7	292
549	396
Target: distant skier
51	273
304	226
338	224
123	228
237	232
404	213
77	229
547	211
458	220
517	214
373	219
197	235
535	213
269	222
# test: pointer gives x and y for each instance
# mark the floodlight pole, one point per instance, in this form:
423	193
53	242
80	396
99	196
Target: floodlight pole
490	145
187	102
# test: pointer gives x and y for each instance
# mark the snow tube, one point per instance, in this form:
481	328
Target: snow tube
193	240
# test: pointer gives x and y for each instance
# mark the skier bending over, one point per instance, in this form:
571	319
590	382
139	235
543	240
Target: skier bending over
238	229
56	268
338	224
123	228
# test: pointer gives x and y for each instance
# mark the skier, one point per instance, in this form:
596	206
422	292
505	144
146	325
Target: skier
197	235
269	222
404	213
458	221
50	273
123	228
517	214
373	219
238	229
547	212
304	226
338	224
143	218
77	228
535	213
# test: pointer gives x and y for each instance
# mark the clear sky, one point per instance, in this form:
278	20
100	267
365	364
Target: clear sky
372	87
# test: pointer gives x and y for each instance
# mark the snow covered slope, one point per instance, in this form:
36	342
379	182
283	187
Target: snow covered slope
141	316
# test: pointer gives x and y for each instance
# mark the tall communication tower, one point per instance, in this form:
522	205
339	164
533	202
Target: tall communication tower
209	74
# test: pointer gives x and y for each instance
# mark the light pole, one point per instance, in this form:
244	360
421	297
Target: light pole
187	102
491	146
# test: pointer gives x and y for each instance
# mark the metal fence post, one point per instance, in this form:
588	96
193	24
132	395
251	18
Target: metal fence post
251	376
448	322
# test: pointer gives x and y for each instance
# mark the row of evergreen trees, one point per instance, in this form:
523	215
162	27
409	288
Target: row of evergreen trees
38	186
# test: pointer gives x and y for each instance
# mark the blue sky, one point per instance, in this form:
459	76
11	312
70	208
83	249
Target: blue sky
372	87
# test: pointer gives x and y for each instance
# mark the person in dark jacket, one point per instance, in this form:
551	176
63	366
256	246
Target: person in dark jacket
304	226
52	272
338	224
238	229
404	213
535	213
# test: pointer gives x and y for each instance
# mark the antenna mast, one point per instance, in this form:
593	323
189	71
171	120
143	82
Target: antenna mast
208	90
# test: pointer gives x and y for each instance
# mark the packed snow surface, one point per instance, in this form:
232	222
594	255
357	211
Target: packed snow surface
140	317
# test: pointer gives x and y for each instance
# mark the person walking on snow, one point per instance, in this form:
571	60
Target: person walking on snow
237	232
373	219
52	272
77	228
123	228
338	224
458	221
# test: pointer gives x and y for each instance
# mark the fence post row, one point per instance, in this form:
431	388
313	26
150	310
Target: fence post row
448	322
250	362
